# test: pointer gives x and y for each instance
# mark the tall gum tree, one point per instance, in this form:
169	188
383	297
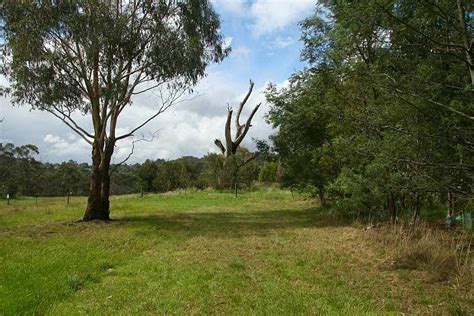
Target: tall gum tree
94	56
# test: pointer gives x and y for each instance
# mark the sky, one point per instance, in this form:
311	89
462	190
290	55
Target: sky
264	37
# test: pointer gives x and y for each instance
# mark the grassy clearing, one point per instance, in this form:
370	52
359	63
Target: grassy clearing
206	252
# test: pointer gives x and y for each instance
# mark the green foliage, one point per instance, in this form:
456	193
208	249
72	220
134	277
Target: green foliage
384	114
147	174
164	176
53	55
223	173
269	172
304	135
18	169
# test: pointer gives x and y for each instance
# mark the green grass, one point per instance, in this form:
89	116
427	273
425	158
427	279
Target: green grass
264	252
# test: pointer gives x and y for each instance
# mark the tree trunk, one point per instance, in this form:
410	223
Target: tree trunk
236	183
451	217
393	208
450	204
99	185
105	194
416	210
322	197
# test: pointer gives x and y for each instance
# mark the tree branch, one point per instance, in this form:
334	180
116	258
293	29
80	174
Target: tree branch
218	144
77	131
249	159
438	104
143	139
241	106
68	117
247	126
228	137
166	104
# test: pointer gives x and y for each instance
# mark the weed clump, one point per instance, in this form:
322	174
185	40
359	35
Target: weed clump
75	283
427	254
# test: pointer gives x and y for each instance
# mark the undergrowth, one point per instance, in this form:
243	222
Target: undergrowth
438	255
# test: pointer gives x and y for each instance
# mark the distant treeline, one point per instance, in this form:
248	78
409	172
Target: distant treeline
22	175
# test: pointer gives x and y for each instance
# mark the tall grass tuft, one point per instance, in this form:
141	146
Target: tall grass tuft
442	255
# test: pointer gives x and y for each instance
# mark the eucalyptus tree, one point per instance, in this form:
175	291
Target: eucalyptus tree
92	57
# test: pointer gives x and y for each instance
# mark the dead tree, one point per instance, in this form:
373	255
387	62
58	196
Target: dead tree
232	144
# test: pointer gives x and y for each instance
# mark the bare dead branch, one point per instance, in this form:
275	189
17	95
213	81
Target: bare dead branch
249	159
241	106
166	103
219	144
247	126
231	145
228	136
143	139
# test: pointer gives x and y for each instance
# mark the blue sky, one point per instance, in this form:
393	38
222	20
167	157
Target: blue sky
264	36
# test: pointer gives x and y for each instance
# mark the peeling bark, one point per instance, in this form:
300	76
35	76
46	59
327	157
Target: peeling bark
94	208
98	205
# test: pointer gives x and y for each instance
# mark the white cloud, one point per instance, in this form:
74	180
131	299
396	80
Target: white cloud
190	128
51	139
282	42
240	52
272	15
267	16
186	129
63	148
227	42
231	6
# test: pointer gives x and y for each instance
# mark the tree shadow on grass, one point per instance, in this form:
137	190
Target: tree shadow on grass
232	224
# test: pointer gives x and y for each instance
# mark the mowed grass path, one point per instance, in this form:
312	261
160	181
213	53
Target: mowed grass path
201	253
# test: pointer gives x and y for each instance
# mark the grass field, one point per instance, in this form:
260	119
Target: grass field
264	252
